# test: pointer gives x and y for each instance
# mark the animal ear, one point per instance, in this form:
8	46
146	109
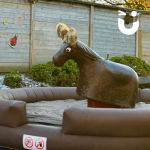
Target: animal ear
62	31
71	36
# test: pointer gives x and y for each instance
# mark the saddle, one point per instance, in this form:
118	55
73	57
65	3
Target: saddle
120	73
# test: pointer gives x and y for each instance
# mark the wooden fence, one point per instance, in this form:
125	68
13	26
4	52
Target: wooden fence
37	42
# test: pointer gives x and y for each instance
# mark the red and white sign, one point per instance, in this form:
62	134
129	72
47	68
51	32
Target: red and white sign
28	142
39	143
34	142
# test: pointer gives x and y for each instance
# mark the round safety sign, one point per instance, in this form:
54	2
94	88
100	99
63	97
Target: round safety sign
28	142
39	144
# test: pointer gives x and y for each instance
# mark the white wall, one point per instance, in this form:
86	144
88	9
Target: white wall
47	16
145	27
107	37
18	58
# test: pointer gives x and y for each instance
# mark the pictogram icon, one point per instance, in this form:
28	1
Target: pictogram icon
39	144
28	142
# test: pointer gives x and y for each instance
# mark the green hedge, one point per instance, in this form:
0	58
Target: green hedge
67	75
13	79
140	66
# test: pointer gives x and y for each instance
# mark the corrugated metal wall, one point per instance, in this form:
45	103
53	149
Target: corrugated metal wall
18	58
145	27
47	16
107	37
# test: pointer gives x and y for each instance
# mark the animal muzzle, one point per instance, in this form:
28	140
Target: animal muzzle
57	62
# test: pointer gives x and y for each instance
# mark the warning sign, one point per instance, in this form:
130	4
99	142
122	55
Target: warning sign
39	143
34	142
28	142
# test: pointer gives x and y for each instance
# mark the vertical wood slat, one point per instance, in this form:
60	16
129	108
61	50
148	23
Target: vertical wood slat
91	27
140	38
32	35
136	38
136	44
140	44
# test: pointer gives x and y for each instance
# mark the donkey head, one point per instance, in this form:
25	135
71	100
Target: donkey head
69	39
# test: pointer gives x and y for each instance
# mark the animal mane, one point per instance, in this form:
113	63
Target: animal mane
88	51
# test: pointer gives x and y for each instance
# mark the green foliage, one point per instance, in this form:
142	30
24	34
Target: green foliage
13	79
140	66
67	75
143	86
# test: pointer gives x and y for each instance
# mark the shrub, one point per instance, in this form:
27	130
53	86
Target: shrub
143	86
13	79
67	75
140	66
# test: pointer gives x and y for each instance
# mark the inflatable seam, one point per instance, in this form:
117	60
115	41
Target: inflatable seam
35	95
52	93
3	96
60	94
27	95
44	94
11	94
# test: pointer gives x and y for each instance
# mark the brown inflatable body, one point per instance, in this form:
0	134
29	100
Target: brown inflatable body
82	128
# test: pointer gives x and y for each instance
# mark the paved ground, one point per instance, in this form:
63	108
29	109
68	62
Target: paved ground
50	112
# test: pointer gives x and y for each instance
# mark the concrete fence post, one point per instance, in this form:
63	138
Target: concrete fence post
91	27
32	29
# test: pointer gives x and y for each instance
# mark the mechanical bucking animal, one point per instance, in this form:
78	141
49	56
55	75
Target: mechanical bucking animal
99	79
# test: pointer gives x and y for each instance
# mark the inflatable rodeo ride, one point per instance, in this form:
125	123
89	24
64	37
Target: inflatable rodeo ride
99	79
27	114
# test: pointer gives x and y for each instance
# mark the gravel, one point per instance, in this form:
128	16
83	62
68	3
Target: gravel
26	82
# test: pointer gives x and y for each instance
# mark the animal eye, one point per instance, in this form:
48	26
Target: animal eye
68	49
